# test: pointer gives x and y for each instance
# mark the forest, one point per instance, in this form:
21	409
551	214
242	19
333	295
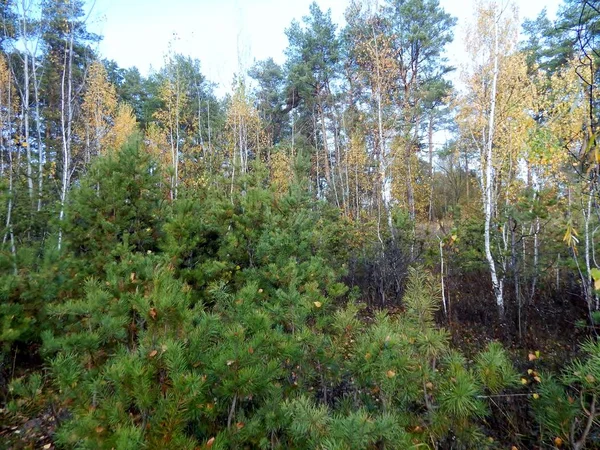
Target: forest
302	263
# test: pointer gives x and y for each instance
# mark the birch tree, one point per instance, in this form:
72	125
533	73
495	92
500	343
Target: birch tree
375	58
491	39
8	105
67	56
174	99
98	110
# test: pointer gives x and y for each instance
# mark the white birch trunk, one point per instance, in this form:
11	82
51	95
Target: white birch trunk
66	118
590	291
488	198
38	126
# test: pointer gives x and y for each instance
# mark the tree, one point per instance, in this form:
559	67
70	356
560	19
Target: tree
117	203
123	128
64	32
420	30
245	133
372	51
98	110
8	166
312	61
493	40
174	99
270	98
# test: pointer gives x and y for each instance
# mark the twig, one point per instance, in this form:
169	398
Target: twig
231	411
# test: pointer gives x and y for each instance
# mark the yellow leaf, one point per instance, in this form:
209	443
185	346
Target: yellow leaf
536	396
590	378
390	374
318	304
529	371
558	441
523	381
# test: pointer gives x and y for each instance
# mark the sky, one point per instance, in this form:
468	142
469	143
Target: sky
229	35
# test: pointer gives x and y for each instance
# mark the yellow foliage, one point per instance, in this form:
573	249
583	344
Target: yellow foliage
281	172
158	146
124	126
8	93
357	161
98	109
245	133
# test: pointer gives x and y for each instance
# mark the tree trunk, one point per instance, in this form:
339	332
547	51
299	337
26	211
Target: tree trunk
38	127
430	139
66	116
497	283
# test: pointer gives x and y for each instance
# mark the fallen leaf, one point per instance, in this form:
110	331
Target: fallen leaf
210	442
390	374
523	381
536	396
558	441
318	304
590	378
153	313
532	357
240	425
153	353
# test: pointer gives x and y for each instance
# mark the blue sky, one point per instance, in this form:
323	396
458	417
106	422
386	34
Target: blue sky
227	34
